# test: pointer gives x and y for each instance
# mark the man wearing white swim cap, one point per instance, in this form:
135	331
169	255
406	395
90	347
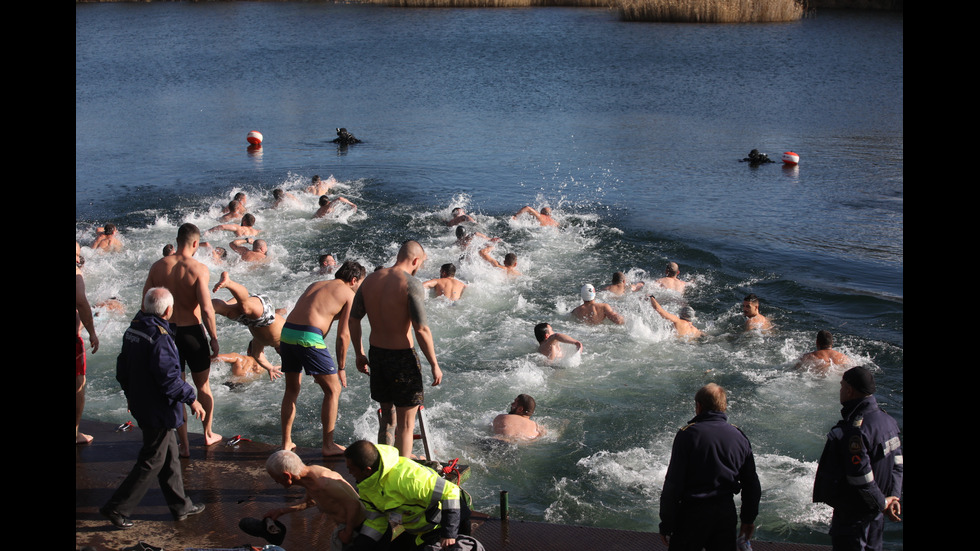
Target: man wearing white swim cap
595	313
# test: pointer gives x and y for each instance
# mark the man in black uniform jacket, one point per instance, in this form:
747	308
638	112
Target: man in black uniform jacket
710	462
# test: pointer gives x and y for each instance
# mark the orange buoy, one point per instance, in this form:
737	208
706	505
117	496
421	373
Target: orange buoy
791	158
254	137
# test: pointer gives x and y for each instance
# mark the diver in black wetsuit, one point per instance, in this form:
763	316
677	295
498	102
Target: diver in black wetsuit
345	138
755	158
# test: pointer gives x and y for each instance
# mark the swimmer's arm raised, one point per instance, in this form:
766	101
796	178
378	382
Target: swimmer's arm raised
663	313
485	254
561	337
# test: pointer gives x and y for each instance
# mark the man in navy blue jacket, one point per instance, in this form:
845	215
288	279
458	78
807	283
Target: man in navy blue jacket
148	369
710	462
860	471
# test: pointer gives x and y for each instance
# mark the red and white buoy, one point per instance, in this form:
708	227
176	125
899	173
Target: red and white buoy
791	158
254	137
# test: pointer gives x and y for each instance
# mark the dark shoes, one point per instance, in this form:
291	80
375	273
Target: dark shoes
116	518
195	509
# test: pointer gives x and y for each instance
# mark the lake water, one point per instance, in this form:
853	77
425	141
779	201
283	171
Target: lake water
632	132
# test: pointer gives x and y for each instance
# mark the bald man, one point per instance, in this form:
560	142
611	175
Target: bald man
394	302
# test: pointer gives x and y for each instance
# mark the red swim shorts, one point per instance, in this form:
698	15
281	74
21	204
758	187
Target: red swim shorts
79	356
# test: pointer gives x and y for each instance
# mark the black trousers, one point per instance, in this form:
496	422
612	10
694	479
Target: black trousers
158	459
710	524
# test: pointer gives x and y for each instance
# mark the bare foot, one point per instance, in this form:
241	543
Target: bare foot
225	278
214	438
289	447
332	450
81	438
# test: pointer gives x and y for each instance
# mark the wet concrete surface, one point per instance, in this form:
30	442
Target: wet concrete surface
232	483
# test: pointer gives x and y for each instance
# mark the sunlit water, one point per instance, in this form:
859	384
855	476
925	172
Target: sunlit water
634	139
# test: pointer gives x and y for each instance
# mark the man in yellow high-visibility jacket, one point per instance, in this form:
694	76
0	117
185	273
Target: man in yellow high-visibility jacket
400	491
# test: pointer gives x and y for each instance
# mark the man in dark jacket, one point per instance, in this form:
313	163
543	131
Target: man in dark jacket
860	470
710	462
148	369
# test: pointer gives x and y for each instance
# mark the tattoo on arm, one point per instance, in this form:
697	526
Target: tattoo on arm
357	308
416	302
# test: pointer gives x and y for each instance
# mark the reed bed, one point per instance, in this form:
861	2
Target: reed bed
496	3
711	11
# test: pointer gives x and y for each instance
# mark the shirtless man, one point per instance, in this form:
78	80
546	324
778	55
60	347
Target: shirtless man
240	198
245	229
257	314
446	285
106	239
510	261
619	287
187	280
327	264
302	348
682	323
593	312
824	357
753	319
459	217
549	341
320	187
83	316
670	280
258	252
232	211
327	205
464	239
243	368
394	302
325	489
544	217
516	424
280	195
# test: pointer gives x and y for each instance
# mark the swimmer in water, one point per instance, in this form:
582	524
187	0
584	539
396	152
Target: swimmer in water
320	187
516	424
446	285
593	312
327	264
682	323
245	229
510	261
824	357
459	216
619	287
670	280
233	211
279	195
244	369
257	314
241	199
753	319
107	239
544	217
258	253
327	205
549	341
168	249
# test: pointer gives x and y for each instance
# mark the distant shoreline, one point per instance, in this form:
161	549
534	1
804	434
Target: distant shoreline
877	5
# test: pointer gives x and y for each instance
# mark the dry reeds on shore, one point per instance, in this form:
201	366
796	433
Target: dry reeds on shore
711	11
496	3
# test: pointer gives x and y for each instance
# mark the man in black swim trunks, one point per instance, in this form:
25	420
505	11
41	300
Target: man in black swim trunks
187	280
393	301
